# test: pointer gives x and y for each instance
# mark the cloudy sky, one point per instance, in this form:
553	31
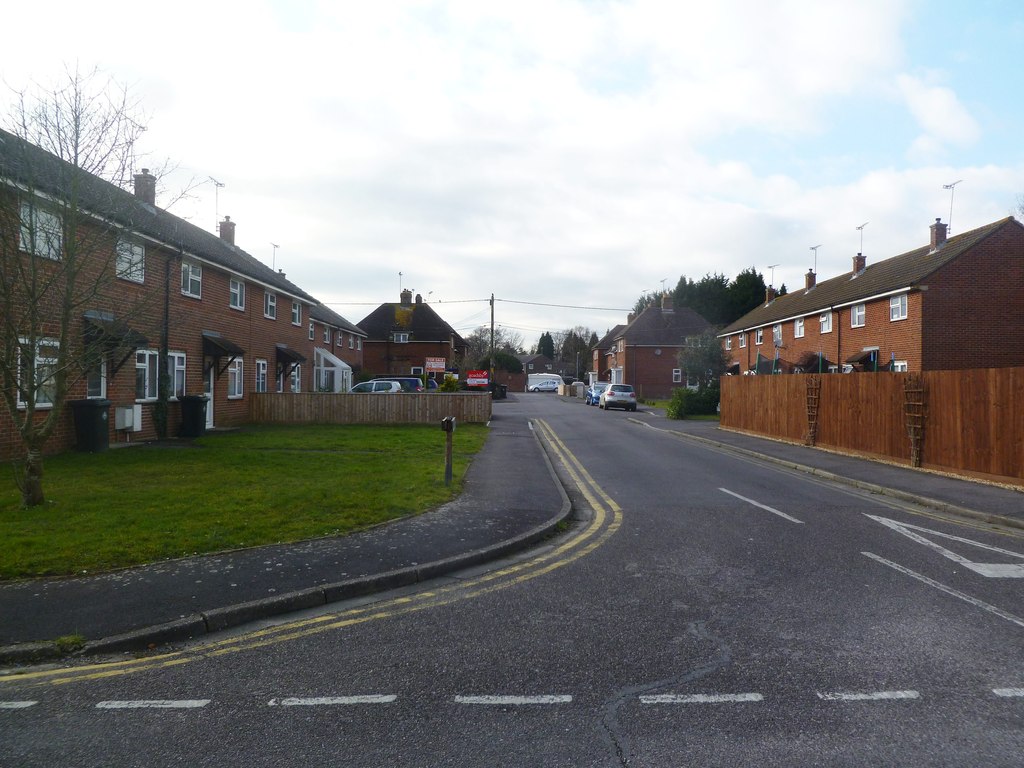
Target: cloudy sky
566	156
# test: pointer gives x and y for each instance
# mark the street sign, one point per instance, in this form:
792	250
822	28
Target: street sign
435	364
477	378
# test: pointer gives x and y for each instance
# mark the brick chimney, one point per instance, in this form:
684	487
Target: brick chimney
145	186
406	297
810	280
938	234
859	263
227	230
666	301
769	295
419	299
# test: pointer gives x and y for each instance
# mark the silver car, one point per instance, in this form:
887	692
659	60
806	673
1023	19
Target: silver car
618	396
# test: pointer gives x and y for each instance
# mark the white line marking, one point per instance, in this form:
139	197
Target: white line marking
700	698
872	696
948	590
332	701
990	570
1012	693
154	704
513	700
17	704
783	515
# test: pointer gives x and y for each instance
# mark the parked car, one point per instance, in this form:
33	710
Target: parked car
618	396
545	385
378	387
407	383
593	393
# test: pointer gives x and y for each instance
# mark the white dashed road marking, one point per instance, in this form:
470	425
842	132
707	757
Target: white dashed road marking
765	507
870	696
1010	693
17	704
701	698
154	704
325	701
513	701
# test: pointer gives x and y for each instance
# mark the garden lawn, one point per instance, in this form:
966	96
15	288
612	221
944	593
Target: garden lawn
260	485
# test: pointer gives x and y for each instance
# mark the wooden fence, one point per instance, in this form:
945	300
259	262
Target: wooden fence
969	422
403	408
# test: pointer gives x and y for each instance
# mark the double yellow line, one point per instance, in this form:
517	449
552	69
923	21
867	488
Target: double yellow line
604	522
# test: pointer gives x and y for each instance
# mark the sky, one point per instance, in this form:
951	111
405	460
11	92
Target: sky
566	156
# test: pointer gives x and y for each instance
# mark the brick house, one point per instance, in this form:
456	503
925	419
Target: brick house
169	299
338	350
952	304
599	354
645	351
401	336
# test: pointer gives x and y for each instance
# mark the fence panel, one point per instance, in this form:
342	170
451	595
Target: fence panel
404	408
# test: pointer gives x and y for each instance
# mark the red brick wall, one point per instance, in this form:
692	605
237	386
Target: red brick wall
382	358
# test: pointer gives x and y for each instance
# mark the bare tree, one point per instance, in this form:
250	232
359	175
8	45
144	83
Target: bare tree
478	343
61	246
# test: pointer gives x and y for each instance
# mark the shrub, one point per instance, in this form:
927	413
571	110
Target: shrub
687	402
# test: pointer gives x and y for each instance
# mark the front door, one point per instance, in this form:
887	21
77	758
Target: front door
208	391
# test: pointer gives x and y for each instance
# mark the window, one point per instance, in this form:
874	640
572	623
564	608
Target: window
296	378
270	305
237	290
146	370
728	342
191	279
400	338
857	314
261	375
176	369
131	261
677	375
759	336
898	307
798	328
296	313
777	334
96	380
41	232
327	335
899	366
826	322
235	369
37	369
530	366
312	331
743	340
359	343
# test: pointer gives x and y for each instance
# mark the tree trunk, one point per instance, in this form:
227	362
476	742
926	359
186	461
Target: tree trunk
32	484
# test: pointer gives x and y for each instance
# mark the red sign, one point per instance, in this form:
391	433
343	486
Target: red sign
476	378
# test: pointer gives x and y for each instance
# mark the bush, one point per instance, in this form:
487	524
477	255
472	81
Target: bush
687	402
450	384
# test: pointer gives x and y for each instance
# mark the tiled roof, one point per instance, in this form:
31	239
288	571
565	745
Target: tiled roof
22	163
328	316
906	271
665	327
419	320
606	340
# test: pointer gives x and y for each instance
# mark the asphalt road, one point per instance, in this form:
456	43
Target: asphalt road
705	609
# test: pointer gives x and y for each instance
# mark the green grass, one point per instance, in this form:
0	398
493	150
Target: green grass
256	486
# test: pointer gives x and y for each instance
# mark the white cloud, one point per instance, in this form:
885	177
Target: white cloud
940	114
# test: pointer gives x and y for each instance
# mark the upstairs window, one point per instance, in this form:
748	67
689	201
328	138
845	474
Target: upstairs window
728	342
191	279
798	328
270	305
858	313
236	291
312	331
898	307
131	261
743	340
400	338
825	319
777	334
41	232
327	335
296	313
759	336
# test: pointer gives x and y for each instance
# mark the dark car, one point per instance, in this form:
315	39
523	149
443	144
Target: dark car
408	383
593	393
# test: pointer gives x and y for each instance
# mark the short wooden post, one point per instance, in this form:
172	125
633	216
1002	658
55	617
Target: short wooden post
448	425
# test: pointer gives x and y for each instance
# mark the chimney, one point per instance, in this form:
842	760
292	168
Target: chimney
630	318
769	295
938	234
227	230
145	186
810	280
859	263
406	297
666	301
419	299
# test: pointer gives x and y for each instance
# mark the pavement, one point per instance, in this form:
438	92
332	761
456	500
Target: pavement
512	499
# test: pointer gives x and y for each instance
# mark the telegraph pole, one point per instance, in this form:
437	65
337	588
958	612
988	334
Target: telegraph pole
490	377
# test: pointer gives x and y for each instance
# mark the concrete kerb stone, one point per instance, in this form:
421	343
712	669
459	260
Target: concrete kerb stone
218	619
881	490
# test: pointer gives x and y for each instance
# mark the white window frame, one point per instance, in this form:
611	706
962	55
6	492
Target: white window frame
743	341
261	376
296	378
900	366
677	375
236	379
312	330
270	305
400	337
148	361
728	343
45	386
898	308
777	334
130	261
296	313
759	337
798	328
858	315
825	322
191	280
176	363
41	233
327	334
236	291
96	381
359	343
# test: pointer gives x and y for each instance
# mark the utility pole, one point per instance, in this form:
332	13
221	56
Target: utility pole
490	377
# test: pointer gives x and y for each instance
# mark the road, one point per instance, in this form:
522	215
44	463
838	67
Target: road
705	609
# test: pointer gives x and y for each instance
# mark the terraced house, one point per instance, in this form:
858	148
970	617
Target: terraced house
160	309
952	304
